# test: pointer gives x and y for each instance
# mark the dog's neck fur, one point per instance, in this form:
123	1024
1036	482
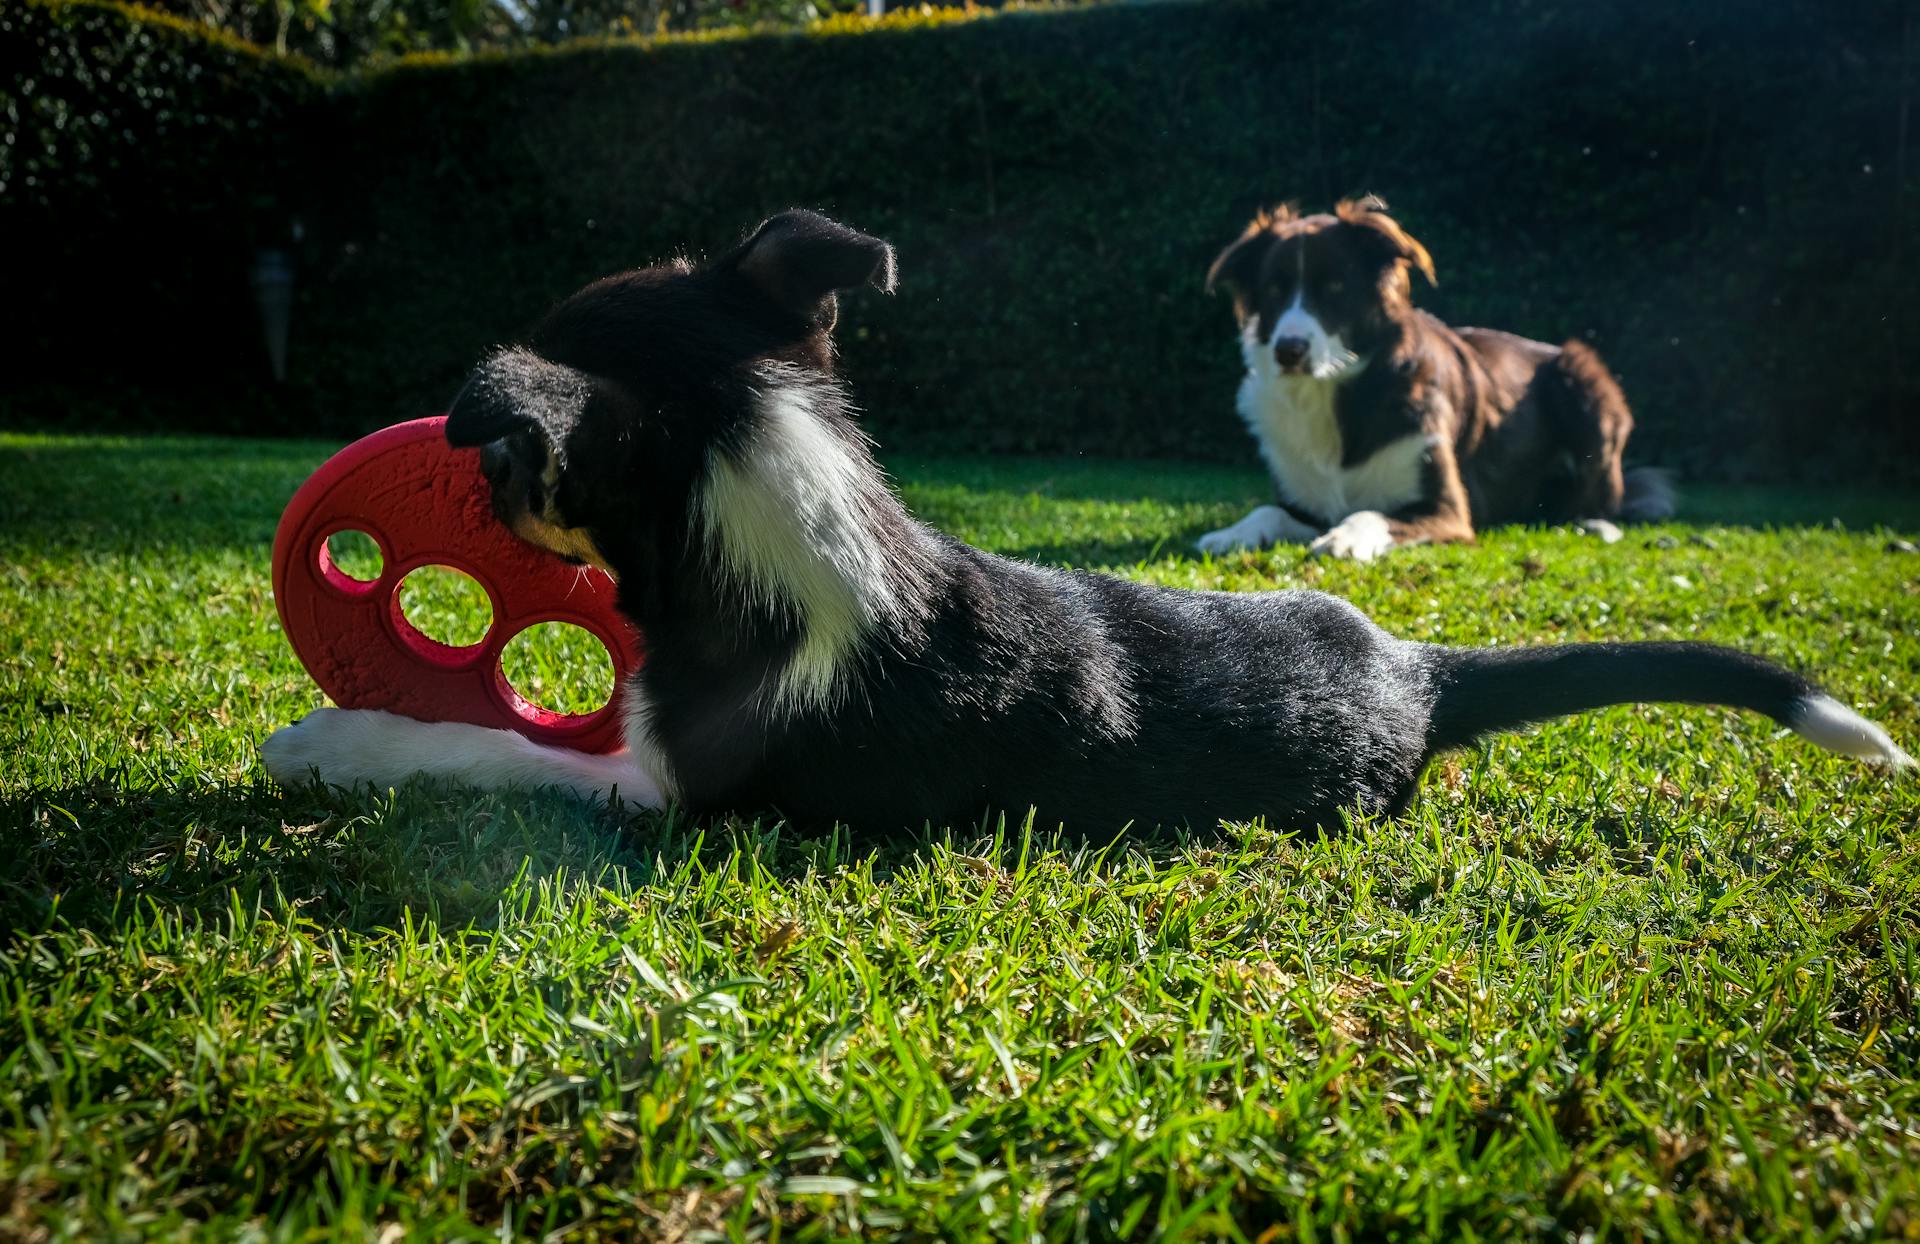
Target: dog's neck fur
796	525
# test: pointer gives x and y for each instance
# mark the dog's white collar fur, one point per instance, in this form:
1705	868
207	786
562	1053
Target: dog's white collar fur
790	519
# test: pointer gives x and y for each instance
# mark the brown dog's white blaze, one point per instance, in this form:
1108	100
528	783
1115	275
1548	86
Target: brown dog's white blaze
1380	425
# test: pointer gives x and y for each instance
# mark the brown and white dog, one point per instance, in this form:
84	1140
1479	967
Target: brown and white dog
1382	426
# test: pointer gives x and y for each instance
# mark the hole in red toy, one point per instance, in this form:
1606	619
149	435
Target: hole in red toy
446	606
353	556
559	667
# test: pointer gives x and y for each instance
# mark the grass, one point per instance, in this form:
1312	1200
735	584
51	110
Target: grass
1647	973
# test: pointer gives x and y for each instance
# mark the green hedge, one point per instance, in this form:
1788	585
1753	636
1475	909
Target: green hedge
140	161
1710	193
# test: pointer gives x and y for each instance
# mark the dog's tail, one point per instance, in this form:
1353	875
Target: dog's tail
1482	690
1650	496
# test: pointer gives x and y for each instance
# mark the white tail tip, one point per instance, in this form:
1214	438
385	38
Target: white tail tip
1825	721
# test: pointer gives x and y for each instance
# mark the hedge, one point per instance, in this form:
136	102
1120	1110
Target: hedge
1715	195
140	160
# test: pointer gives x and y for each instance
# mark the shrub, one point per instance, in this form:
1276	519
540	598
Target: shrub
142	159
1715	195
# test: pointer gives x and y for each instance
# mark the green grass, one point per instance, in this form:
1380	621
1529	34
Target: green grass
1647	973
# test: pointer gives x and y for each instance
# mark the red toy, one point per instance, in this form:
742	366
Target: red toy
426	503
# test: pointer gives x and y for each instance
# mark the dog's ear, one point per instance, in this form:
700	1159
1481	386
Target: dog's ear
799	258
1369	212
512	391
1237	268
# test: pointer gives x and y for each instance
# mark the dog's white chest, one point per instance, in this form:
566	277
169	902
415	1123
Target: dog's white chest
1293	419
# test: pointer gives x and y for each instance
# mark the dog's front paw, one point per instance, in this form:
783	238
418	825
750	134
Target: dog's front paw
336	747
1226	540
1267	525
1360	537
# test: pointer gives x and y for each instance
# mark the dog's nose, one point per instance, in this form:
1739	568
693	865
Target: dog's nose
1290	351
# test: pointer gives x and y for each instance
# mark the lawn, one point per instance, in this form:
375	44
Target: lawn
1647	973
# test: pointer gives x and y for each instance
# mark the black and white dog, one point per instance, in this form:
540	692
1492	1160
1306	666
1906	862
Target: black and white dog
815	651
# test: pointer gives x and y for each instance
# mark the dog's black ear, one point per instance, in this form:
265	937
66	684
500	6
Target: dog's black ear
514	390
1237	268
482	414
799	258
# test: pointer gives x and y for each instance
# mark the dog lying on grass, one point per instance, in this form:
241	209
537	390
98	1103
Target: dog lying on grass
814	650
1382	426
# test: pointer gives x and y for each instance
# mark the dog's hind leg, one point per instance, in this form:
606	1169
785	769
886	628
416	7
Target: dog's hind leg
358	747
1591	421
1650	496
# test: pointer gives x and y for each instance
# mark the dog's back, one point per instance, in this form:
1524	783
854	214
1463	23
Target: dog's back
1111	702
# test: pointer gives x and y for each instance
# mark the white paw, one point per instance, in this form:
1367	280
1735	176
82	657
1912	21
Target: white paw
1226	540
1360	537
1608	532
343	747
1266	525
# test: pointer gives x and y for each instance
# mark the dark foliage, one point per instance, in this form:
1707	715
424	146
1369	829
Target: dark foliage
141	161
1717	196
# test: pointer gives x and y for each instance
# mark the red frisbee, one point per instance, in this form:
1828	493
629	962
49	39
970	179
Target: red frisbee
426	503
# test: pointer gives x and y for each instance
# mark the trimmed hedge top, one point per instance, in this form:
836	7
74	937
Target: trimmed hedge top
95	92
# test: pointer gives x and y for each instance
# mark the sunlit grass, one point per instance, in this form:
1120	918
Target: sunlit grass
1649	972
559	666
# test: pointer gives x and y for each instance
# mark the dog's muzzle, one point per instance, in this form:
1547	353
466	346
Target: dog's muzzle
1291	352
509	479
495	462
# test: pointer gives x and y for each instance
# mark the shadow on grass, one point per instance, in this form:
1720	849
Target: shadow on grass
124	493
89	856
98	855
117	494
1110	480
